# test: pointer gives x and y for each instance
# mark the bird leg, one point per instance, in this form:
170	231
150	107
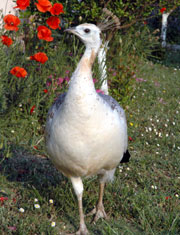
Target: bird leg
78	188
99	210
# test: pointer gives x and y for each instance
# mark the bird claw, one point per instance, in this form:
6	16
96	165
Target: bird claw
99	212
82	231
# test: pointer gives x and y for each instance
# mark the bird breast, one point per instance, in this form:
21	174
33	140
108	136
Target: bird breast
83	142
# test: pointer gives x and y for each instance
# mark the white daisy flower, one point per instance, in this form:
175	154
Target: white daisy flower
35	199
51	201
53	224
37	206
21	210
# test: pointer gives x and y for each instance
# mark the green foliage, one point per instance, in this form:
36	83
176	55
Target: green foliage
127	50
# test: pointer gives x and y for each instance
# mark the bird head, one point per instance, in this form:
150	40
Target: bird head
88	33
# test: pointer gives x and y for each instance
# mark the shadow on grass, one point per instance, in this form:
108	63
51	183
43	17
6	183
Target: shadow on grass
36	177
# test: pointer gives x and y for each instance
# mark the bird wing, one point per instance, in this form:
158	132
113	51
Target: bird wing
113	104
58	102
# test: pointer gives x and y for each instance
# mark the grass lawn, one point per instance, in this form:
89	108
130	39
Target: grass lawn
145	195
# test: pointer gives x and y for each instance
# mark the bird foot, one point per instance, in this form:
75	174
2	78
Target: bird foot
99	212
82	231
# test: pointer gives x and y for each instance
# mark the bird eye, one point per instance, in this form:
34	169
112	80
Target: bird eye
87	30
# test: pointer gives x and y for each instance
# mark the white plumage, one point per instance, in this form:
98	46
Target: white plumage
86	132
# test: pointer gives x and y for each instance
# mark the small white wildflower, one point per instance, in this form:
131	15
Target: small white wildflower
178	148
176	195
35	199
160	135
174	123
150	129
147	143
177	111
150	119
142	135
153	187
53	224
20	105
167	135
158	145
37	206
165	125
157	152
157	120
120	170
128	168
51	201
12	131
21	210
167	120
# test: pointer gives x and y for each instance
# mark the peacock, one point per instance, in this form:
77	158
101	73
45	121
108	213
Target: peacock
86	131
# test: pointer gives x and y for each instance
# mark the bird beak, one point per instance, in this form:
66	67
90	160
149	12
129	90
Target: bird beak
70	30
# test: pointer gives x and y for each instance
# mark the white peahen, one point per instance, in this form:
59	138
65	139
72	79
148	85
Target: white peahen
86	132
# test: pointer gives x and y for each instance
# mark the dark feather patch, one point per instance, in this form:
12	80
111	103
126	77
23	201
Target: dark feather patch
126	157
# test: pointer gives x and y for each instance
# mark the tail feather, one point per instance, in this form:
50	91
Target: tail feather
126	157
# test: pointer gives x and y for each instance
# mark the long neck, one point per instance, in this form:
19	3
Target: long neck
81	81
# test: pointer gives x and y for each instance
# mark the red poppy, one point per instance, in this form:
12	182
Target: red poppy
44	33
168	197
11	22
22	4
18	72
130	138
57	9
32	110
162	10
43	5
53	22
45	91
35	147
14	200
40	57
2	199
6	40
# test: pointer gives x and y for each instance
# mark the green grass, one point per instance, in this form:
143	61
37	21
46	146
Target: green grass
145	195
